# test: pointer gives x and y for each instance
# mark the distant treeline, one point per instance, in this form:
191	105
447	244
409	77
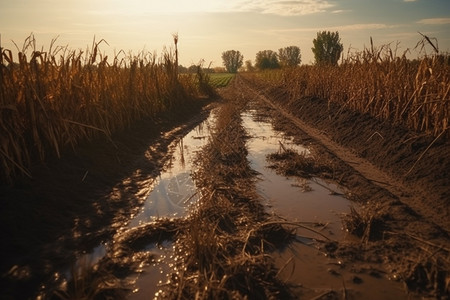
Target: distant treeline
193	69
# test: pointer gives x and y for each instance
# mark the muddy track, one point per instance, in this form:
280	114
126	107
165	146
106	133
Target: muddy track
408	231
364	167
410	193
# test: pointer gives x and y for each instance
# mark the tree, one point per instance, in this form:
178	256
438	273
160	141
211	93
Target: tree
327	48
232	60
289	56
267	59
248	66
192	69
182	69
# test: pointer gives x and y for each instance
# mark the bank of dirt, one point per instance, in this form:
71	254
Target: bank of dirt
400	178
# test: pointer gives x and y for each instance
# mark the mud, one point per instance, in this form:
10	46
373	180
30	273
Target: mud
73	204
413	166
400	178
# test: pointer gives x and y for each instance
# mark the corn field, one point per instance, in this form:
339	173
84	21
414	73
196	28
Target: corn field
51	100
410	93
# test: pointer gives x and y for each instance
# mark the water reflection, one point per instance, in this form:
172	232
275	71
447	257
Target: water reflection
295	199
169	198
171	193
313	274
174	189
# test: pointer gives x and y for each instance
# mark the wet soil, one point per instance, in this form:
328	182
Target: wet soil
400	178
412	166
73	204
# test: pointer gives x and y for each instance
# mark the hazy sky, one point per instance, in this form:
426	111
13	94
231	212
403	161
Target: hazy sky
206	28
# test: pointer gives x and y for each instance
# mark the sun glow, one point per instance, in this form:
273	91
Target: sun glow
167	7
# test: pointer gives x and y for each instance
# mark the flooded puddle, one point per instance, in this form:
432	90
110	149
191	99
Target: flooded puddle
174	189
283	195
286	196
172	193
147	282
302	263
315	275
311	201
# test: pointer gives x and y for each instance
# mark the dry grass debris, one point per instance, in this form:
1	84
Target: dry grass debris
366	223
291	163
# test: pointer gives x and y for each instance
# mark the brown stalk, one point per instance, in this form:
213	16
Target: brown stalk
425	151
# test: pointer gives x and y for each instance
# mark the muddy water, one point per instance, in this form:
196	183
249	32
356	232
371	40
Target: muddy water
283	196
308	201
311	201
172	193
292	198
174	189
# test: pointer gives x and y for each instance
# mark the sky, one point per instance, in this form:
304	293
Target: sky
206	28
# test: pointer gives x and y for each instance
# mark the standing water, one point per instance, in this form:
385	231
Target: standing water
171	195
283	195
286	195
174	189
312	202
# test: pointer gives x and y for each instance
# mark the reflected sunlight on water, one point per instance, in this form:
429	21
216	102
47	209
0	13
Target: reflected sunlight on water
174	190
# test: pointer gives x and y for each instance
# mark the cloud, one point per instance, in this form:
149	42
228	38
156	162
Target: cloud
339	11
283	8
363	26
435	21
275	7
351	27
